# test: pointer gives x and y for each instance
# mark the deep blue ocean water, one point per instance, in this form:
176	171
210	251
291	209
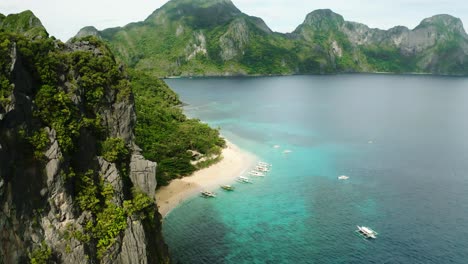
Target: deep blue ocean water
402	140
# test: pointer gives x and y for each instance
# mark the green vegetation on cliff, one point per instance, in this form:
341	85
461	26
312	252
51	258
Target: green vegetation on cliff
55	107
165	134
46	59
40	255
5	86
110	219
67	119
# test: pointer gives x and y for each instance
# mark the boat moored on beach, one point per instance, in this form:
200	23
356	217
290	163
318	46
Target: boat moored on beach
262	169
227	187
264	164
208	194
256	173
243	179
367	232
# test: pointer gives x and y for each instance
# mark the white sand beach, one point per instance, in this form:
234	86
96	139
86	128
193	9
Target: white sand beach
235	162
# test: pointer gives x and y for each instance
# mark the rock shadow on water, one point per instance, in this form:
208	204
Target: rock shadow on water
196	234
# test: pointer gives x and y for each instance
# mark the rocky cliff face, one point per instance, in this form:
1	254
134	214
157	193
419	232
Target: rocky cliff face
88	31
73	186
437	45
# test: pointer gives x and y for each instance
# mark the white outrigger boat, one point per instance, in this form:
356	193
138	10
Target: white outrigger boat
208	194
227	187
262	169
263	164
367	232
256	173
343	177
243	179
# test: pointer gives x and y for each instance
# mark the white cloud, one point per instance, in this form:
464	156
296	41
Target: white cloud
64	18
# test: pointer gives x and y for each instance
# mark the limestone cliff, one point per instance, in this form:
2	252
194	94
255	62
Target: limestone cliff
73	185
437	45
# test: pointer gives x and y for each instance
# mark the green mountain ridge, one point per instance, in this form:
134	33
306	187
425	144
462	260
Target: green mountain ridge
198	38
25	23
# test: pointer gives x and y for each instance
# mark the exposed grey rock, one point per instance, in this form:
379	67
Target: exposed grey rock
54	156
133	244
2	183
88	31
235	39
180	30
110	174
120	121
143	174
13	57
84	46
196	46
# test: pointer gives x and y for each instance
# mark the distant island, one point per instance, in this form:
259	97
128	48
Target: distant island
214	38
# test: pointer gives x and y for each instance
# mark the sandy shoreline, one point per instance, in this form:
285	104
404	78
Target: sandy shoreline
235	162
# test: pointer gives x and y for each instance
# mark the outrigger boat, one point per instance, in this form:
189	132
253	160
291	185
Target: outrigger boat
367	232
262	168
257	173
243	179
343	177
264	164
227	187
208	194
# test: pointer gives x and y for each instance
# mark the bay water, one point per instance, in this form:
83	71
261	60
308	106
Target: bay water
402	140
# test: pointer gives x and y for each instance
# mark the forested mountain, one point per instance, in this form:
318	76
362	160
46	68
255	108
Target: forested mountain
214	37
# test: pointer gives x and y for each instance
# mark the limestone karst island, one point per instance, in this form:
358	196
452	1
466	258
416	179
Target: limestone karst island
203	134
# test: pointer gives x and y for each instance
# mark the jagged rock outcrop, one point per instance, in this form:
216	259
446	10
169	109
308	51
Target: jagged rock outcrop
235	39
88	31
142	173
64	197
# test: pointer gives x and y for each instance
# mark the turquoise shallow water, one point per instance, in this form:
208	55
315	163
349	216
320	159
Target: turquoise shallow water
401	140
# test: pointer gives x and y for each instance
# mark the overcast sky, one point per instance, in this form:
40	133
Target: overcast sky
63	18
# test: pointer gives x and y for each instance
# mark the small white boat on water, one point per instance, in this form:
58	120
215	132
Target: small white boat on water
287	151
367	232
208	194
276	146
256	173
343	177
243	179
